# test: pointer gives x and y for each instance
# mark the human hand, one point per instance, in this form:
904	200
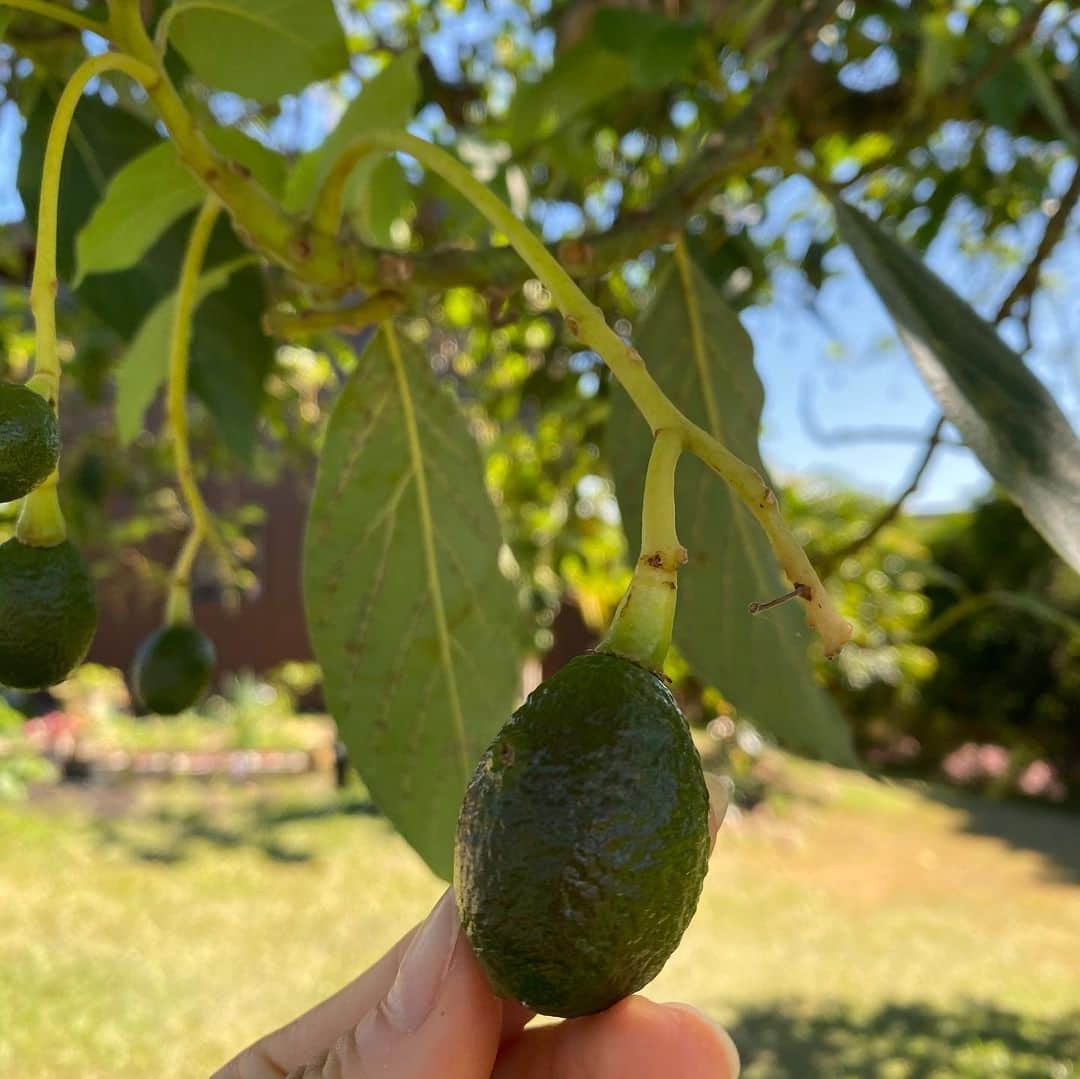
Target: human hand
426	1011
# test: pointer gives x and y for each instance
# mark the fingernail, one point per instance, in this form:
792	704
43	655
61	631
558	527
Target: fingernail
720	790
424	968
727	1046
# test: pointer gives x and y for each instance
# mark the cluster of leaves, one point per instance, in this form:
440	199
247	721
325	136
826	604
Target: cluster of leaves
612	130
967	630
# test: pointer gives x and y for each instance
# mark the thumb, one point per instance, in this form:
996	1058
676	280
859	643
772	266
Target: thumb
438	1018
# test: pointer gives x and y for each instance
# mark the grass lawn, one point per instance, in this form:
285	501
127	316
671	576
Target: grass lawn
848	928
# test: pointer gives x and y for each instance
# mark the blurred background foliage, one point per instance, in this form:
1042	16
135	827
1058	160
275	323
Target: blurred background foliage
956	120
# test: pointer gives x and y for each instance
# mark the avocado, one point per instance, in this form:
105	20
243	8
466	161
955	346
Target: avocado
29	440
173	669
47	613
583	839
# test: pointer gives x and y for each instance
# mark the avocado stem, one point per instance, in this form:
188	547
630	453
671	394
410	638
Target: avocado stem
41	521
178	605
641	628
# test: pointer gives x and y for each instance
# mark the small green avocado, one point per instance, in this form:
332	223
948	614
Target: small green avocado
47	613
29	441
173	669
583	839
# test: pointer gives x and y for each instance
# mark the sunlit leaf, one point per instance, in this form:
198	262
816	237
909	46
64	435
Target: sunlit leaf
262	49
758	662
142	200
401	529
1005	414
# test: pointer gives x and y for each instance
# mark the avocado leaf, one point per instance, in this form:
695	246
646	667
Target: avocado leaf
258	49
401	529
1005	414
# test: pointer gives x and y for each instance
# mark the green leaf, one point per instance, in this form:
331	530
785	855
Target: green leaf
260	49
142	200
581	77
415	705
388	101
1006	96
145	364
662	49
758	662
1005	414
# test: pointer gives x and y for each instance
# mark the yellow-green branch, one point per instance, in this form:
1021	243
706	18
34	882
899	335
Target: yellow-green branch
586	321
41	522
59	14
44	284
202	523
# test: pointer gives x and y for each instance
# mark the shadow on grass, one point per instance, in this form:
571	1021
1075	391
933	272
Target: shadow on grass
1053	833
915	1041
167	836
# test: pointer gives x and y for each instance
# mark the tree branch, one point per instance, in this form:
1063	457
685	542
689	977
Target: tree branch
1028	281
831	559
339	264
857	435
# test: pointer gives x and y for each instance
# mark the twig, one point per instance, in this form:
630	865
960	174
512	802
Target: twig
843	436
1055	229
369	311
831	559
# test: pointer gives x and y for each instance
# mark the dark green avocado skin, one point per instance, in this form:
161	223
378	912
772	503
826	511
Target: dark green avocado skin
173	669
29	441
47	613
583	839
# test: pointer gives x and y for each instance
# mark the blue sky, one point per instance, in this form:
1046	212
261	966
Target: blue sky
840	359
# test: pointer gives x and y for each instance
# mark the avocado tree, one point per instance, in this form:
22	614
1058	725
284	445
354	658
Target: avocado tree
164	203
